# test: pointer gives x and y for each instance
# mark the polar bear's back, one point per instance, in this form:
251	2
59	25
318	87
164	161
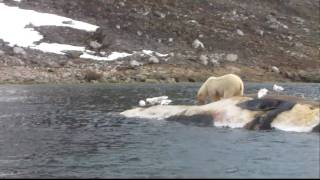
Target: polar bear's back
228	82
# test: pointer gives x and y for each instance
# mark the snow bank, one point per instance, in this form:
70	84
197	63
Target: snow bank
17	29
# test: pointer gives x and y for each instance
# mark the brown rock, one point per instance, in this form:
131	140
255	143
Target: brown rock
91	75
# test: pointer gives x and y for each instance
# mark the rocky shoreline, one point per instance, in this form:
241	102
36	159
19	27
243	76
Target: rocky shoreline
75	73
27	66
190	41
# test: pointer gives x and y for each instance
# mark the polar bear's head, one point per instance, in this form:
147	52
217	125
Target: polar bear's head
202	97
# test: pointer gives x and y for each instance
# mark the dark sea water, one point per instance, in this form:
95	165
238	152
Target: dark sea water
75	131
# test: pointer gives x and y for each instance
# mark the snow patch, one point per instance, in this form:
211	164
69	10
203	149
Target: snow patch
150	53
17	29
111	57
14	31
57	48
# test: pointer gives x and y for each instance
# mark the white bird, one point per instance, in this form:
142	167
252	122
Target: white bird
277	88
262	92
142	103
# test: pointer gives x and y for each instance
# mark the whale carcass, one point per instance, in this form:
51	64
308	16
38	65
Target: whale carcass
283	113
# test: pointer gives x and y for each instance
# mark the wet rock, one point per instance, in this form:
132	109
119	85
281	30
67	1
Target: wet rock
154	59
19	50
275	69
232	57
197	44
1	53
95	44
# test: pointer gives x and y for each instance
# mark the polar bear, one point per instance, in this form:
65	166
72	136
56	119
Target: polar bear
225	86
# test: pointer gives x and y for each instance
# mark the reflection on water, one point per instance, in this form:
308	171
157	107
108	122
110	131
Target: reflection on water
57	131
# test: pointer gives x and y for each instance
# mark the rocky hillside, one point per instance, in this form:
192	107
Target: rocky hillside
260	40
